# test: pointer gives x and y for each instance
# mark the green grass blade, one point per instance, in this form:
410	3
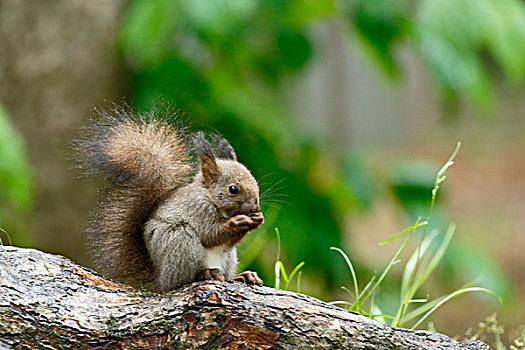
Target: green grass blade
296	269
283	272
392	262
410	268
408	229
292	274
361	311
277	272
351	267
378	314
367	287
414	301
421	310
409	275
451	296
278	234
381	316
7	235
357	299
337	302
421	278
412	281
277	265
348	291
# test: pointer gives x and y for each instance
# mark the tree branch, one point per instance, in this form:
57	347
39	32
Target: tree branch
47	301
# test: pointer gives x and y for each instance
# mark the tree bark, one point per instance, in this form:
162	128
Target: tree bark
47	301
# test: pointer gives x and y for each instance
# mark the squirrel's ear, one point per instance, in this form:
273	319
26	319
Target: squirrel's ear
223	148
209	169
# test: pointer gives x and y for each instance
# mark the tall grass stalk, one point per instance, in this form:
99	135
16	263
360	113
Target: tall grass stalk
422	262
412	286
280	270
7	235
371	287
449	297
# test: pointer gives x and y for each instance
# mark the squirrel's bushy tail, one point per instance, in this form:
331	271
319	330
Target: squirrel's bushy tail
144	157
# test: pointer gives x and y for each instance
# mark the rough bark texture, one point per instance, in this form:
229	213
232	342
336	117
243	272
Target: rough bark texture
47	301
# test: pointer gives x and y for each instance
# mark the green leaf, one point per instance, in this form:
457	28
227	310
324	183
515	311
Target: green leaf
300	13
147	31
454	47
16	185
294	48
503	31
218	18
381	24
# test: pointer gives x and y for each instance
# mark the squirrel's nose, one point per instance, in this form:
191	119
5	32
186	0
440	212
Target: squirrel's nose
255	208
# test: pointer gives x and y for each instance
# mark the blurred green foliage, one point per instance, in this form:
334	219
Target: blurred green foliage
462	42
382	24
16	183
223	63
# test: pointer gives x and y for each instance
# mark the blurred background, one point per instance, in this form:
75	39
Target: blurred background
344	111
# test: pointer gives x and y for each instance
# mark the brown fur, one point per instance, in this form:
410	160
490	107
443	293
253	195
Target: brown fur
151	153
144	162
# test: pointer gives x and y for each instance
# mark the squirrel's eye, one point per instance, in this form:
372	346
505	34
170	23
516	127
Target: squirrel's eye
233	189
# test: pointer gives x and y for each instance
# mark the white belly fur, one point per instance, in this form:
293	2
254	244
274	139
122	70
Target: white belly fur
215	257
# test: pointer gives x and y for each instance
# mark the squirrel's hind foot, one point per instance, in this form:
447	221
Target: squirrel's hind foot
210	274
248	277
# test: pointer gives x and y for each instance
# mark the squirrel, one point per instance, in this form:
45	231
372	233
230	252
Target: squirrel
166	220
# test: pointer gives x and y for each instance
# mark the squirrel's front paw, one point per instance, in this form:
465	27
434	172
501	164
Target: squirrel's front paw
257	218
210	274
241	224
245	223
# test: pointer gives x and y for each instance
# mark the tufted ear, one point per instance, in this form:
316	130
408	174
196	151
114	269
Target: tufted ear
223	148
208	165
